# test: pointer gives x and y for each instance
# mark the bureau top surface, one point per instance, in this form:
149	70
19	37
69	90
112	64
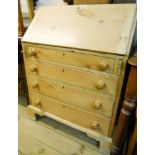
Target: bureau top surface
105	28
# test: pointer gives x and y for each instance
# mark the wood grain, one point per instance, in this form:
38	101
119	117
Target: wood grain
70	113
78	30
118	96
72	75
35	148
72	57
77	2
72	95
47	134
78	68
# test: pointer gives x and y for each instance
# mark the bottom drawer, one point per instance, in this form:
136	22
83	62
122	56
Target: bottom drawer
74	115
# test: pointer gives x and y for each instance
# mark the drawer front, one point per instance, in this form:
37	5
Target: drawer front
72	57
75	115
96	103
72	75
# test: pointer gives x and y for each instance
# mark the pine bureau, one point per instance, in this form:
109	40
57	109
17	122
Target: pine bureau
75	59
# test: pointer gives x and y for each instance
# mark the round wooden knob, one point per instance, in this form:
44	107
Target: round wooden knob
35	85
100	84
32	52
94	125
33	68
36	102
23	51
103	65
97	104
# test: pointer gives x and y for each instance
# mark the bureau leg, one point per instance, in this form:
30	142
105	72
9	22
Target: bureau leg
105	143
32	115
105	146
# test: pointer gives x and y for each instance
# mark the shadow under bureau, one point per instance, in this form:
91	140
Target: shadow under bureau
75	59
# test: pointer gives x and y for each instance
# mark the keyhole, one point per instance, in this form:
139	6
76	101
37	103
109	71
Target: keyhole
63	87
63	70
63	54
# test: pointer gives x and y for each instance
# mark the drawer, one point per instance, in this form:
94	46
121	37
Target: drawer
74	115
69	74
96	103
76	58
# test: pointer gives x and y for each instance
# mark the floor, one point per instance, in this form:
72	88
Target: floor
48	137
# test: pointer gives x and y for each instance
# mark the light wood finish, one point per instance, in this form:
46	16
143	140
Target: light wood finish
104	142
95	125
117	99
31	114
112	24
75	57
77	2
99	82
36	147
97	104
70	113
104	65
35	84
50	136
79	63
72	95
37	102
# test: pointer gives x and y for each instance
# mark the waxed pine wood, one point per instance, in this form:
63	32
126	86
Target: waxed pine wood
76	31
74	57
77	2
75	74
71	114
48	137
78	97
68	74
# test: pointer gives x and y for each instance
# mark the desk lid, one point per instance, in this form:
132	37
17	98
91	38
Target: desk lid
105	28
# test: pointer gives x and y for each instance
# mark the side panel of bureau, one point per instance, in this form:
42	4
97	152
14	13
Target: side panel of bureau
72	114
73	75
117	99
72	95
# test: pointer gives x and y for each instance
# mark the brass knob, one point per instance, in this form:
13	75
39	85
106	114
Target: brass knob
32	52
103	65
100	84
94	125
33	68
36	102
97	104
35	85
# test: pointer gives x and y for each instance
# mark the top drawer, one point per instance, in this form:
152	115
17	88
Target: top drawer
75	57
